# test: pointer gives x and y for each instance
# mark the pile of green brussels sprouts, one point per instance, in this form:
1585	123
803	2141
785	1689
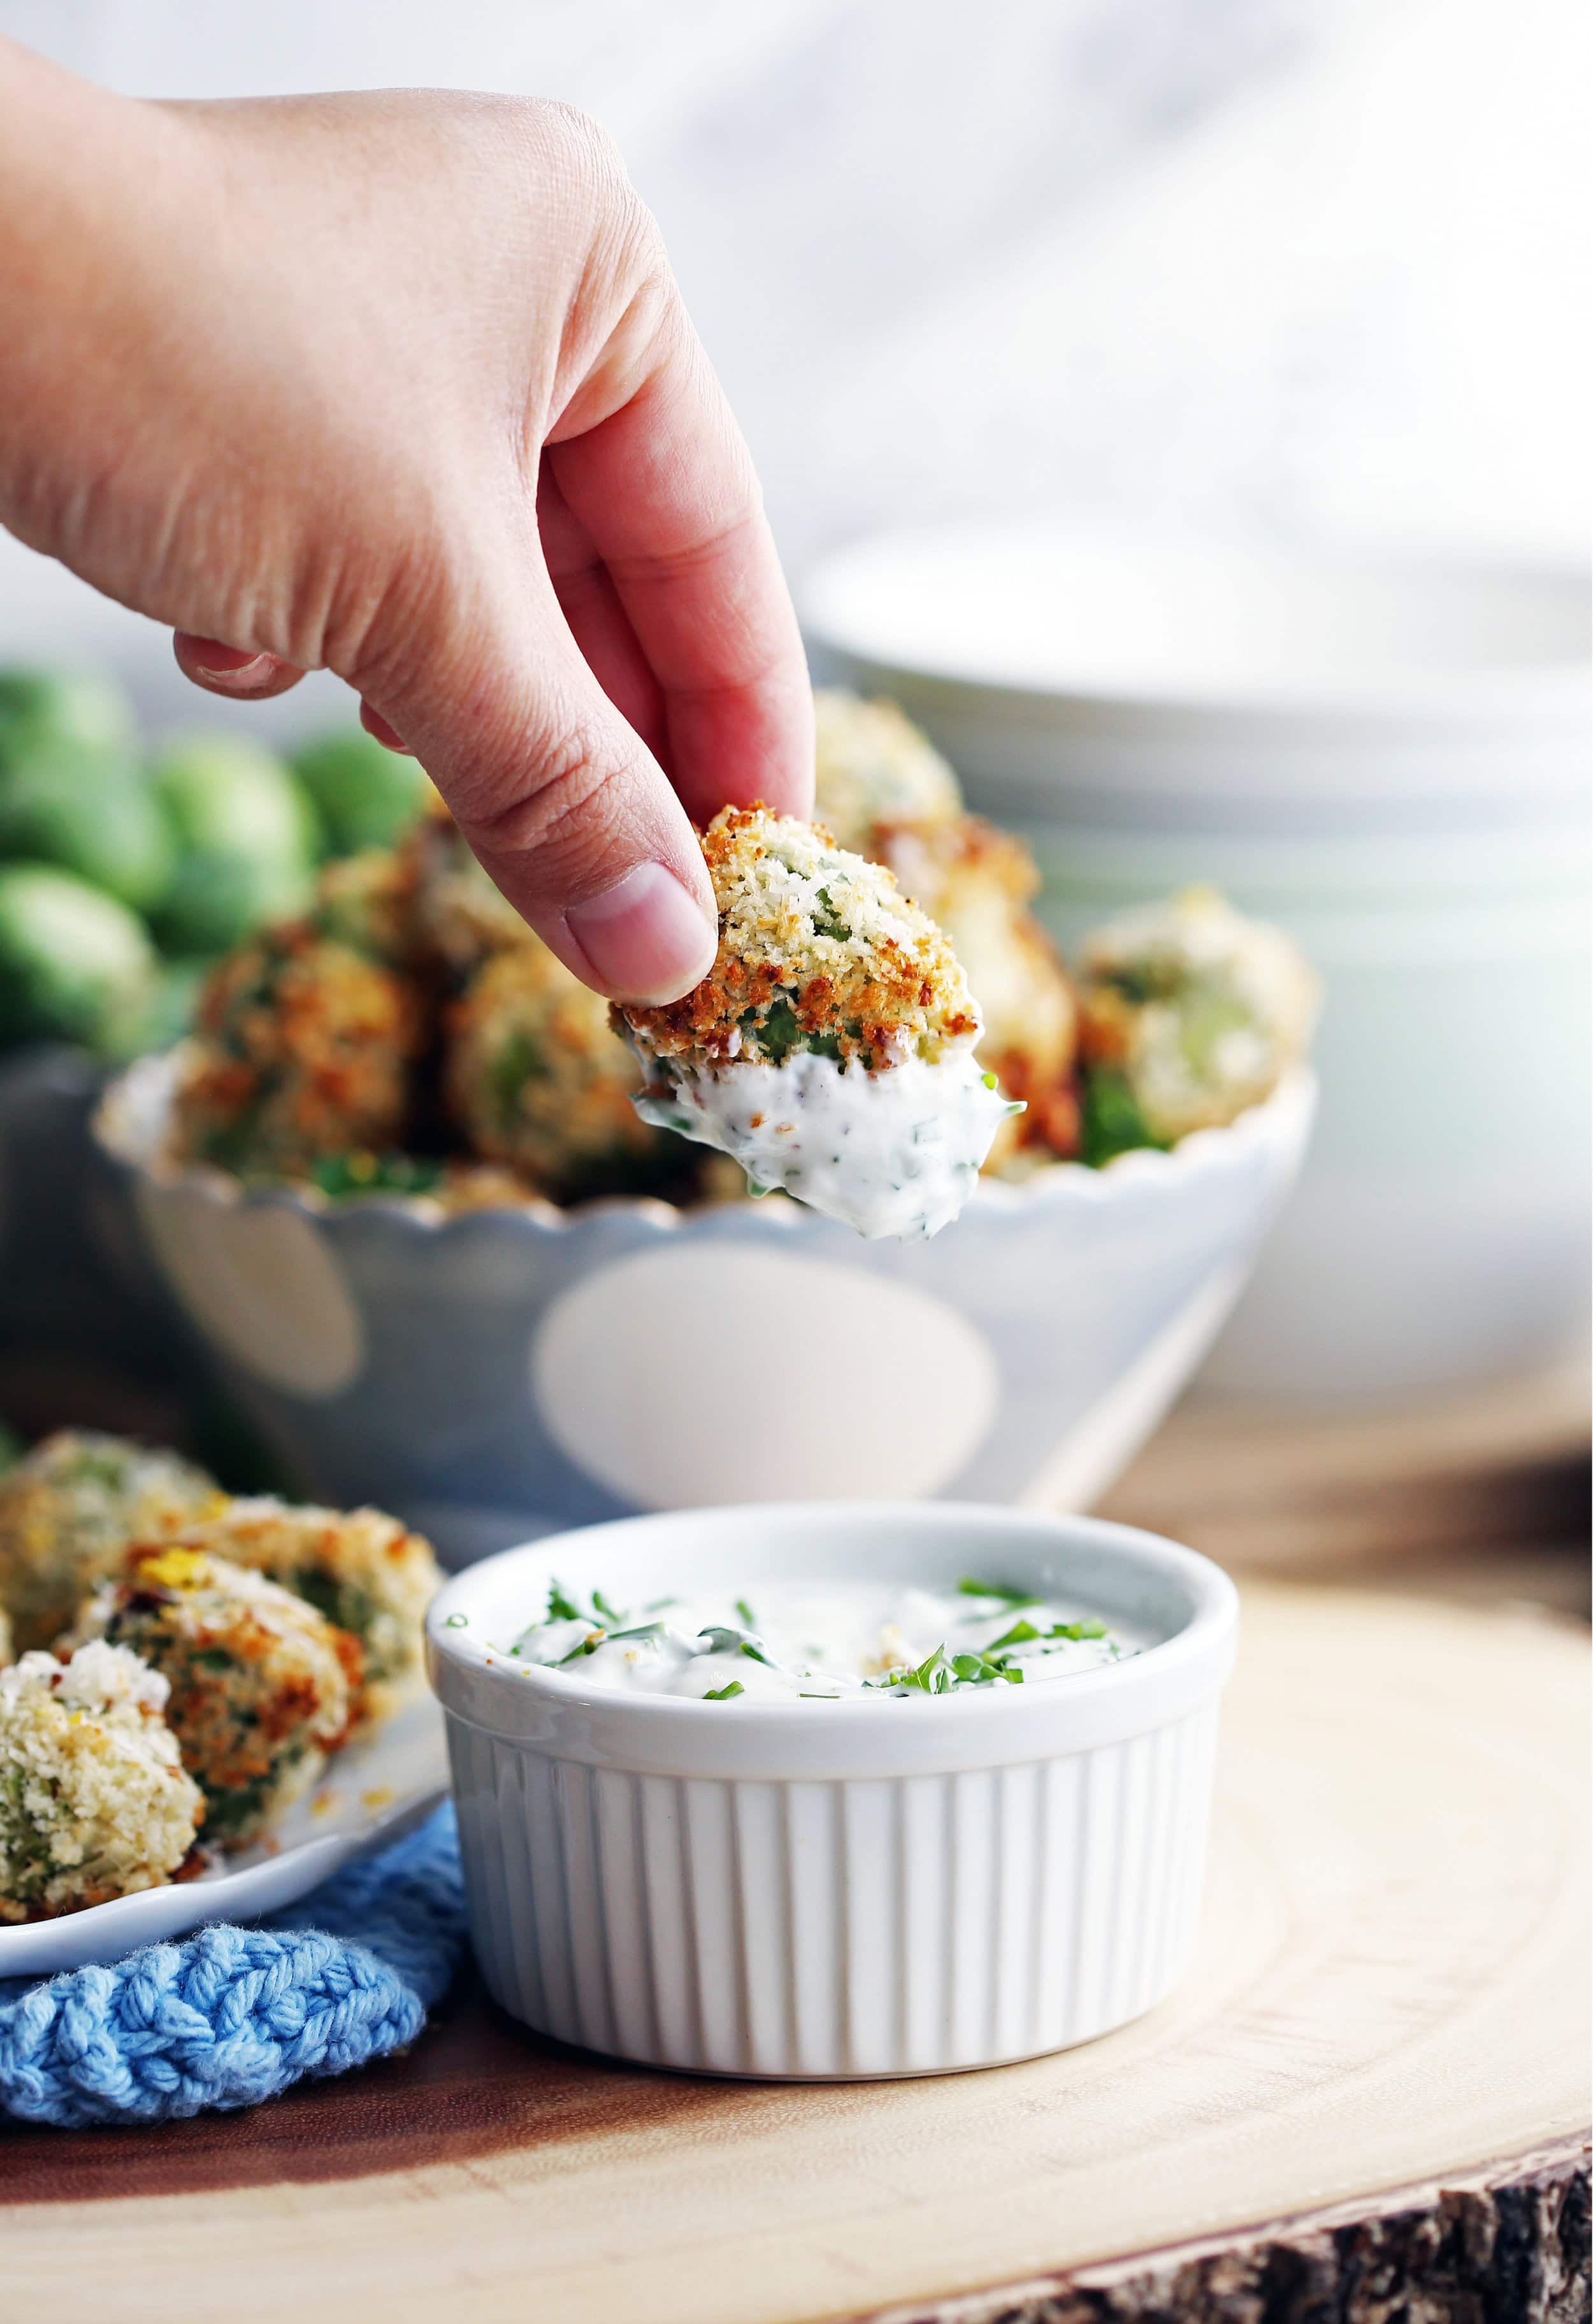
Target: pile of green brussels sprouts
126	867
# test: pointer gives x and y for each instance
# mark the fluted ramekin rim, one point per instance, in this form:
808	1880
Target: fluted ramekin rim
474	1679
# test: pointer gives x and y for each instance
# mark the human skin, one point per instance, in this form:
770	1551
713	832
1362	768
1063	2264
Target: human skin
401	386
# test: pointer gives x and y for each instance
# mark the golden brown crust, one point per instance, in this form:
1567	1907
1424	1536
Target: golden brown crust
817	947
303	1049
537	1078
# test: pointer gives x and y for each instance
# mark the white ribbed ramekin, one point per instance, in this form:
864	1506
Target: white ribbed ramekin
819	1891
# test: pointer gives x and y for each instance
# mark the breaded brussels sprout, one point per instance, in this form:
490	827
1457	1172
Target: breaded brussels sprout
262	1685
461	917
829	1050
1191	1014
875	767
975	882
537	1077
365	1572
69	1510
368	902
304	1048
94	1799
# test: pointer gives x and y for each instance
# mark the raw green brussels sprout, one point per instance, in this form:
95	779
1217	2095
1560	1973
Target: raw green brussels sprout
47	705
75	965
92	813
172	1004
248	837
72	791
367	796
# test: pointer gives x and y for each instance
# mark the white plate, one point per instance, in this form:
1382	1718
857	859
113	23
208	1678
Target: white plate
370	1795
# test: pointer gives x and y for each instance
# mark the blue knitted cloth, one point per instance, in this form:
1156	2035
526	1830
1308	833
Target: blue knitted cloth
232	2015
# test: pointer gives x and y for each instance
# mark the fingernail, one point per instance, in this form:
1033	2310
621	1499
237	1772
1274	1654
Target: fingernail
646	939
237	673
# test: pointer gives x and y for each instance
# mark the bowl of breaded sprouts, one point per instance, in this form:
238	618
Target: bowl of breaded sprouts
895	1203
180	1667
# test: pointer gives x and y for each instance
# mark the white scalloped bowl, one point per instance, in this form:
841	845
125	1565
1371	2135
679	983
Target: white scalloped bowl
500	1373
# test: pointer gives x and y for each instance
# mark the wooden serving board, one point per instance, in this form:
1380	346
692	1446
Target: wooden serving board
1386	2026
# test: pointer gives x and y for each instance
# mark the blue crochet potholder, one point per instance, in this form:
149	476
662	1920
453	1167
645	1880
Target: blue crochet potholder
231	2016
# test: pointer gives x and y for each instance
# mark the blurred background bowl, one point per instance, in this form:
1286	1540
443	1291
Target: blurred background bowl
493	1375
1388	759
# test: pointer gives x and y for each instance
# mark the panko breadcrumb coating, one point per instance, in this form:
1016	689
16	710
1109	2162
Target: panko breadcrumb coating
875	767
829	1050
819	951
1191	1014
261	1683
459	914
975	882
537	1077
365	1572
94	1800
370	902
303	1049
68	1512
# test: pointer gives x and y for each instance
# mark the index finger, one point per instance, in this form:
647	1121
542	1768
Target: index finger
664	490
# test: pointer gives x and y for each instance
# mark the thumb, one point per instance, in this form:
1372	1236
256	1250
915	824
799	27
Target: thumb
558	797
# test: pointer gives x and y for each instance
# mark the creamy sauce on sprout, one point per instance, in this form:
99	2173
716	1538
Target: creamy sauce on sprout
842	1641
896	1152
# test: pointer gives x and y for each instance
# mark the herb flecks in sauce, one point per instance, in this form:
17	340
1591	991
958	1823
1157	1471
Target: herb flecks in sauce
830	1642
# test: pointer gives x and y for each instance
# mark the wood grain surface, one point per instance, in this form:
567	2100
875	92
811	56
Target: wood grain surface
1391	1995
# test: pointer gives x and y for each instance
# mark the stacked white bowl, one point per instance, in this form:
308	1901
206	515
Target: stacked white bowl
1389	759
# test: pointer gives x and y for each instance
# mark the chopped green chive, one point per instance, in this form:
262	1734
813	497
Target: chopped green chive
724	1694
1007	1591
745	1612
589	1645
1019	1635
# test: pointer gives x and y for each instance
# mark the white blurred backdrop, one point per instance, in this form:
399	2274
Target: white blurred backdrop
1302	266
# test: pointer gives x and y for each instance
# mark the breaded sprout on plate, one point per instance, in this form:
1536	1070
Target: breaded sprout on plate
67	1513
304	1048
1191	1014
261	1683
363	1570
830	1048
875	767
977	883
94	1800
537	1077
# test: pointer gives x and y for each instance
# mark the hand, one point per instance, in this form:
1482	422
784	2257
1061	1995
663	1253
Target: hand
401	386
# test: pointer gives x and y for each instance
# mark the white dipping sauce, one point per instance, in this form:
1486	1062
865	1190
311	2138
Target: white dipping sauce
896	1152
790	1641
